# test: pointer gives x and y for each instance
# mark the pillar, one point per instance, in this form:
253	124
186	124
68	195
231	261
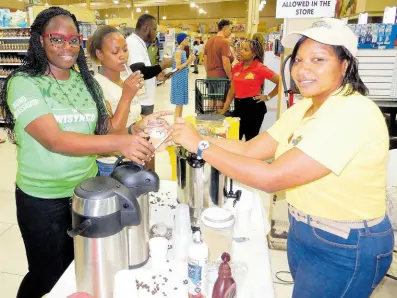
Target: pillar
253	17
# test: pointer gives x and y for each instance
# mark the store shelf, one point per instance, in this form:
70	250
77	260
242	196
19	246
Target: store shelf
13	28
10	64
13	51
15	38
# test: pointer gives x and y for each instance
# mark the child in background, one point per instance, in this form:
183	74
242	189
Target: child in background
180	81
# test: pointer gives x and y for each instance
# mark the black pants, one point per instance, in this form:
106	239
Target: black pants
251	114
49	250
196	62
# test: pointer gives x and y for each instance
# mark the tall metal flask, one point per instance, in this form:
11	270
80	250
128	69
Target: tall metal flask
102	208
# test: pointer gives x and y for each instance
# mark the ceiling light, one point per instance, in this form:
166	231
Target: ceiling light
201	10
146	11
164	17
116	1
128	5
138	9
192	4
106	16
46	4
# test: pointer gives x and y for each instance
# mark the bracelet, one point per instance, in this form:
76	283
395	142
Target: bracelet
130	132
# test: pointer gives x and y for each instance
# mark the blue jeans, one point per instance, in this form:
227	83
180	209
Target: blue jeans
104	169
328	266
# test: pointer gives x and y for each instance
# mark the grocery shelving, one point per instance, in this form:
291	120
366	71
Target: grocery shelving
15	38
13	48
10	64
13	51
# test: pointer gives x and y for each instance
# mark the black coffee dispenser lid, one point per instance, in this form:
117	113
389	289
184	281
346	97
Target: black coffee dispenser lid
87	218
136	178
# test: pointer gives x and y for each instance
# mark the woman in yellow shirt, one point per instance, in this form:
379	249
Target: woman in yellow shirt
330	153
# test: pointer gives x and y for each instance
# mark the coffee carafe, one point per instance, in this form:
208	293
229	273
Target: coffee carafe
102	208
200	185
140	182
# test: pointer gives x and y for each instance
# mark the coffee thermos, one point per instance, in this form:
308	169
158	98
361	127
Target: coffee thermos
102	209
140	181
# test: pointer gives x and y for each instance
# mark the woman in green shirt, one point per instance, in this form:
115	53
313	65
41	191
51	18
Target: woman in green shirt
59	121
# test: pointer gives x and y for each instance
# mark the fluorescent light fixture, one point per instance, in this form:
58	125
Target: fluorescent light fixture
164	17
138	9
192	4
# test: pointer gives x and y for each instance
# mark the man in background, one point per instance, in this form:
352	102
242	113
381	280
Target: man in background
138	42
217	53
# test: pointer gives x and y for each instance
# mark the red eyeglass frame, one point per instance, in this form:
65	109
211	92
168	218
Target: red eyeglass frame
65	37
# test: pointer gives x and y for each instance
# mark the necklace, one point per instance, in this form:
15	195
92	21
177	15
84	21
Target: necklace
70	102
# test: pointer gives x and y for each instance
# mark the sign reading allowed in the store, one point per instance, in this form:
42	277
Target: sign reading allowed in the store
289	9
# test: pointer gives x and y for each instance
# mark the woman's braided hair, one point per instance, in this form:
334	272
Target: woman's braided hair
257	49
36	64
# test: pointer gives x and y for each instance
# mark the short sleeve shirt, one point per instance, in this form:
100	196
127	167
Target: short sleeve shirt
138	53
349	136
42	173
216	48
248	82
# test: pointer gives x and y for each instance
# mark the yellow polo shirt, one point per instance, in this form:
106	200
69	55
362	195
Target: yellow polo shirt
349	136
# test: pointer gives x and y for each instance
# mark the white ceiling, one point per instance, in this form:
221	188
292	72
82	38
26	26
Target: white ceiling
104	4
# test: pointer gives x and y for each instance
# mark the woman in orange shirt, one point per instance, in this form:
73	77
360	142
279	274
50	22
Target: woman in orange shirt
248	77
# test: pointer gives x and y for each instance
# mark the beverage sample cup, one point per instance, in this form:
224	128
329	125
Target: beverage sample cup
158	247
125	285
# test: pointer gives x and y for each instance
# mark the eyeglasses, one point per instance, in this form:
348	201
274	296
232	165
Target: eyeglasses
58	39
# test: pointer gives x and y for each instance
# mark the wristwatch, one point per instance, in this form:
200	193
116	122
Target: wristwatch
203	144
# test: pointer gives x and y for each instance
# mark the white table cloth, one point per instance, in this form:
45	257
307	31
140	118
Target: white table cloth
252	255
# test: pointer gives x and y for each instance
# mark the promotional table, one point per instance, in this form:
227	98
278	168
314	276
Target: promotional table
250	259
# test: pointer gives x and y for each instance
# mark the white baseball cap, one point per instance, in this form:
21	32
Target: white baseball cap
327	31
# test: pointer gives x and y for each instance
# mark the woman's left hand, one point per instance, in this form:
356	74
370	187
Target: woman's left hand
261	97
185	134
142	124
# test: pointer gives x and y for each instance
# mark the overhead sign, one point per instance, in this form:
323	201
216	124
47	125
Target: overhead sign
289	9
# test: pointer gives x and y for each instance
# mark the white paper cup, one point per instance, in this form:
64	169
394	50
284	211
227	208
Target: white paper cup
125	285
158	252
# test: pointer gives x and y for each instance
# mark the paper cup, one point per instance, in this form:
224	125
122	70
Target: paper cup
125	285
158	252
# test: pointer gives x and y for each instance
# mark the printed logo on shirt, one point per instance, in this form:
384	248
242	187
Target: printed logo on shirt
75	118
250	76
22	104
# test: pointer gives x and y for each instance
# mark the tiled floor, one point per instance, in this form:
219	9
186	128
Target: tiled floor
12	255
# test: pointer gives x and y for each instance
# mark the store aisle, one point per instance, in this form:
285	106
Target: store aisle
12	255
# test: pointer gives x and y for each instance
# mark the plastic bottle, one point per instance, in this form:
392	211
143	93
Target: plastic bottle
225	286
197	268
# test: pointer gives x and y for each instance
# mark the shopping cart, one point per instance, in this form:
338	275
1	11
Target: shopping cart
210	96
